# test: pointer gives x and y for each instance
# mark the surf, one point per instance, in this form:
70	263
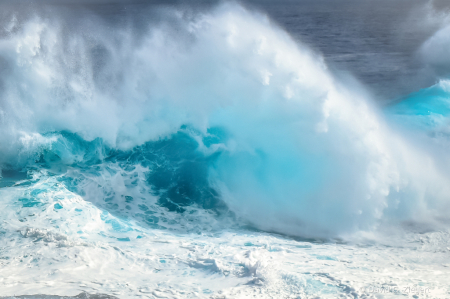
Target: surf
198	115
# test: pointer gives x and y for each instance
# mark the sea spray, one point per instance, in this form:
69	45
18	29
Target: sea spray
294	149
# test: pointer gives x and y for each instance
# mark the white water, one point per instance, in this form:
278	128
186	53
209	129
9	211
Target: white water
305	154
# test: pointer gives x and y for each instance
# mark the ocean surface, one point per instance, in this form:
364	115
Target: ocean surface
205	149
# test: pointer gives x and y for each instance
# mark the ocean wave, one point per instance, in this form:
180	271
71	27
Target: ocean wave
217	113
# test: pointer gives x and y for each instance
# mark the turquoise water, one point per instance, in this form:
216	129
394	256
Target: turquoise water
210	153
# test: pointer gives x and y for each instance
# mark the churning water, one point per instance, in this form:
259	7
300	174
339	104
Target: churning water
224	150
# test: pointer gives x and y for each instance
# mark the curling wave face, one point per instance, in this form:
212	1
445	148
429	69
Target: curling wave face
218	114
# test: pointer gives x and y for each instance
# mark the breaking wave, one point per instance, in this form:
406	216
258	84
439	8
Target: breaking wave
208	117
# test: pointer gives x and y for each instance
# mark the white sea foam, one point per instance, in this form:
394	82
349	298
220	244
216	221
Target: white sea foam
305	155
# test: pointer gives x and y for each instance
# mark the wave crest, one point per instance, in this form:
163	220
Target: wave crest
295	150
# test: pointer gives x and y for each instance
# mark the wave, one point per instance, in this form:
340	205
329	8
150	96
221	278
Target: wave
427	109
210	114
